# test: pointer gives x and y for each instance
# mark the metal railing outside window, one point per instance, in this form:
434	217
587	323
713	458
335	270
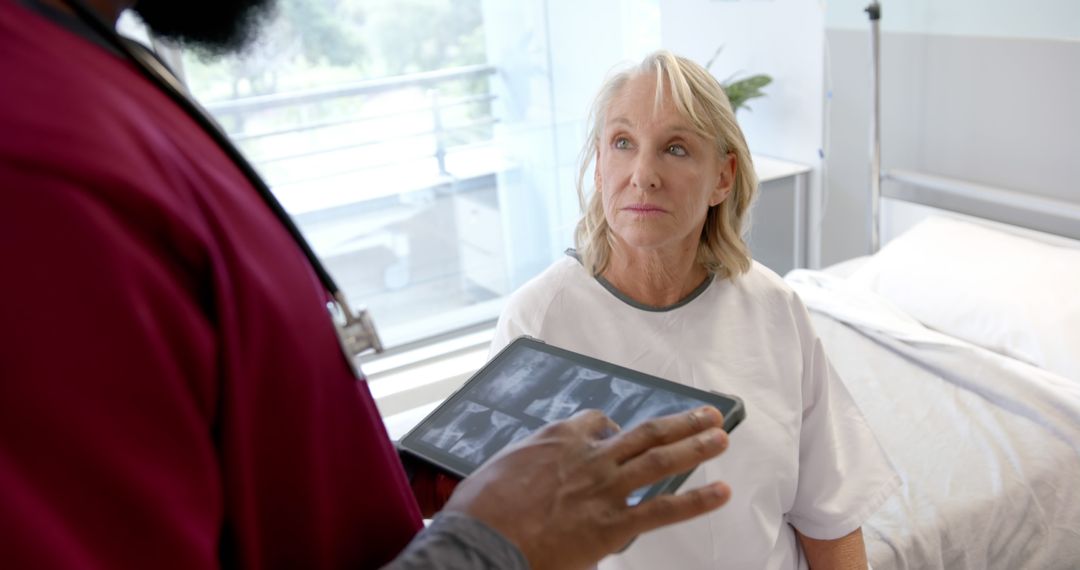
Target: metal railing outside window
394	182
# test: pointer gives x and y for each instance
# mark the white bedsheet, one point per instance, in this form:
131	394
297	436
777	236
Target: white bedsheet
988	447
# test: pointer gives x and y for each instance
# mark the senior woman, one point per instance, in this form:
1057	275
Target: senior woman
662	281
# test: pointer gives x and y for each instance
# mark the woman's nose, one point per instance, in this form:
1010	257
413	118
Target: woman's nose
645	176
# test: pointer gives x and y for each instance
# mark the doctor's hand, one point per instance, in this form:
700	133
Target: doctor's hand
560	494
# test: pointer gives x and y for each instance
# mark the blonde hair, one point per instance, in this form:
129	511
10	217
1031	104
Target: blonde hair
700	100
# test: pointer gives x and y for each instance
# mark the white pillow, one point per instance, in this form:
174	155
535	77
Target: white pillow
1010	294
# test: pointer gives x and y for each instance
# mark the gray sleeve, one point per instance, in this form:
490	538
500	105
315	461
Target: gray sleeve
456	541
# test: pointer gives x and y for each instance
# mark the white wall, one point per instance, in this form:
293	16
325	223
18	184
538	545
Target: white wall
1045	19
782	38
980	91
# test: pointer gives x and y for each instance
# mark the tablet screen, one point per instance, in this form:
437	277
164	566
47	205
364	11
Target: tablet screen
530	384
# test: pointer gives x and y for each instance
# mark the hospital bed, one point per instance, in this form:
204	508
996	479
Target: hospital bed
960	342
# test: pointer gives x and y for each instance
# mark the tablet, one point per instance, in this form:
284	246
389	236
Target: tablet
529	384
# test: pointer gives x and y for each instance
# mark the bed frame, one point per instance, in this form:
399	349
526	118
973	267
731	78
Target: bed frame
1011	207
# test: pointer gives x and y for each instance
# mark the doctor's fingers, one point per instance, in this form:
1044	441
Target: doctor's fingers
592	425
671	459
662	431
664	510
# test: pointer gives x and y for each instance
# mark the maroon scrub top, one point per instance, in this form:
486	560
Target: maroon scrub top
171	391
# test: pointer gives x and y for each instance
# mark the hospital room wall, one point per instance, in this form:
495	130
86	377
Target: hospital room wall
553	55
781	38
983	91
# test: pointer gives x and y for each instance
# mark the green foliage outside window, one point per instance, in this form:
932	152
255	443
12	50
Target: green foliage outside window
317	44
311	43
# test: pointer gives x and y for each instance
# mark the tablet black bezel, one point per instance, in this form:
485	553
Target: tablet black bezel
731	406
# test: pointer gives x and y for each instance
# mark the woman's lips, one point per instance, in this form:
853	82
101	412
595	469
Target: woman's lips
644	209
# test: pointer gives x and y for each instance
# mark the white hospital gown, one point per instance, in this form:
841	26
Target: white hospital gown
803	457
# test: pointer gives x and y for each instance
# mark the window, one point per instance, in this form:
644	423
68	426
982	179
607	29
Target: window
372	121
425	148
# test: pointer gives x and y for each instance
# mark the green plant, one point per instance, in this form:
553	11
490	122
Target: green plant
739	91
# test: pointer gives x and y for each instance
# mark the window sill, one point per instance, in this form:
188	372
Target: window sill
406	383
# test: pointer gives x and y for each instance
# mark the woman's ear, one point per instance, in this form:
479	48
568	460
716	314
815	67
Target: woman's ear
725	181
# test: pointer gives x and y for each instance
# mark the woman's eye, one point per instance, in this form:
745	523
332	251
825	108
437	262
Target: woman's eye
676	149
622	143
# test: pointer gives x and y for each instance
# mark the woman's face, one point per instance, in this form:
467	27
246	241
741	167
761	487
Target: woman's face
657	176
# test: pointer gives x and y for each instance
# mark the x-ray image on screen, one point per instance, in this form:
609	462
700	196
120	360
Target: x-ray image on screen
487	433
472	432
581	388
530	384
659	404
446	432
521	433
625	398
524	378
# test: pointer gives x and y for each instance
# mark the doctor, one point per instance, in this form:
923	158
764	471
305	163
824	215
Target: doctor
172	394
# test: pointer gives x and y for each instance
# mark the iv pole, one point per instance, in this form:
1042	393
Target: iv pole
874	12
